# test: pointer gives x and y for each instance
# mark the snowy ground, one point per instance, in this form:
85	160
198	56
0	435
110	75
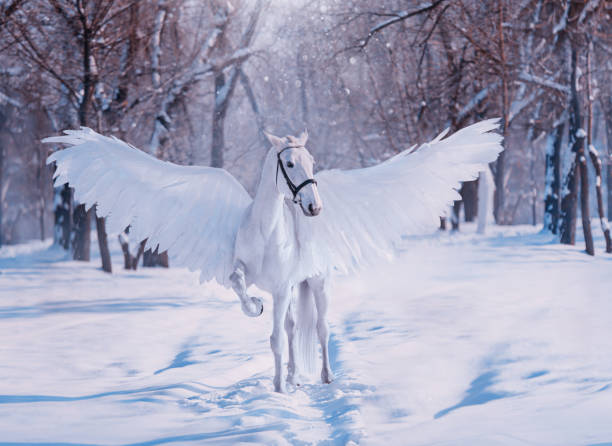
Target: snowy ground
465	340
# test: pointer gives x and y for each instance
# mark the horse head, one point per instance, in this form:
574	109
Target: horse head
294	172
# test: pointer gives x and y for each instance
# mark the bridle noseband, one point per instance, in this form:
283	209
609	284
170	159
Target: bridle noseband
292	187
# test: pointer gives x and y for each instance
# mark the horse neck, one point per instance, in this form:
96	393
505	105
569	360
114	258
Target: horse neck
268	203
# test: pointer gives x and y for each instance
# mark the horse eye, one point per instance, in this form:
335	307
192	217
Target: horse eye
290	164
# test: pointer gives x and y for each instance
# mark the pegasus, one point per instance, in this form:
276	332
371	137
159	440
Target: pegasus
298	230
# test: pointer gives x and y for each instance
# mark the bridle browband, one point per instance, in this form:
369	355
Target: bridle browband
292	187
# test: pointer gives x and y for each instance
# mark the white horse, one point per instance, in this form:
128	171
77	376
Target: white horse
299	229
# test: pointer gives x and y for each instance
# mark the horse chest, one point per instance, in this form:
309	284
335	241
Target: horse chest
282	260
281	257
270	245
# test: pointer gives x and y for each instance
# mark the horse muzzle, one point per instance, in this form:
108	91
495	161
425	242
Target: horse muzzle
311	210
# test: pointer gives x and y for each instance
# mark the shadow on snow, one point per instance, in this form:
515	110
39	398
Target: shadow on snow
477	393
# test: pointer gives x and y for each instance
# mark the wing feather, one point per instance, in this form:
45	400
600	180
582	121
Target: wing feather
367	211
194	212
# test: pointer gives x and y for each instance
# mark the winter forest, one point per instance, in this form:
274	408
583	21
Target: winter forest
493	328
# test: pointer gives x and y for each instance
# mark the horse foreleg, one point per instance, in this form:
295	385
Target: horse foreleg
290	327
317	286
277	339
251	306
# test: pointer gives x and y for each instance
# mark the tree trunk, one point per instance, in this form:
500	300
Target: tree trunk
581	156
218	136
153	258
82	219
595	157
135	260
224	88
41	220
567	227
125	247
553	178
1	179
584	201
500	171
130	261
606	105
570	191
609	181
485	199
89	81
42	181
455	215
63	217
442	223
244	80
82	234
500	196
103	244
469	194
605	227
163	259
581	160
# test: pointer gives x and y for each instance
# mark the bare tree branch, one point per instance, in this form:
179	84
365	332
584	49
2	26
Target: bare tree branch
400	16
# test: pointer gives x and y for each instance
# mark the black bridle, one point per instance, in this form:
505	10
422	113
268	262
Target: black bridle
292	187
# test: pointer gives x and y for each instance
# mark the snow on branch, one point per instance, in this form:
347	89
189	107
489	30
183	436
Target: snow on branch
220	21
475	101
4	99
160	17
562	118
237	57
11	71
589	7
519	105
200	67
563	22
549	83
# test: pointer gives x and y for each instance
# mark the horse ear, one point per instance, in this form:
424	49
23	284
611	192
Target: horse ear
277	142
303	137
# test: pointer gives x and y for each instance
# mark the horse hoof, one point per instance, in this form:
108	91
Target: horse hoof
280	389
258	303
294	380
253	308
327	377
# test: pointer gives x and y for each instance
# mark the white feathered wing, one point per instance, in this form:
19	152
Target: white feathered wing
367	211
193	211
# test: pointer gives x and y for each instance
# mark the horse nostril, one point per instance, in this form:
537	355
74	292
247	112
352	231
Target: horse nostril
314	210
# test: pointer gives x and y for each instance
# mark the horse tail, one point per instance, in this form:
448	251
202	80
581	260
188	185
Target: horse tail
306	329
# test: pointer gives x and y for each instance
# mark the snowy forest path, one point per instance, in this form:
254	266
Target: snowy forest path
148	352
465	339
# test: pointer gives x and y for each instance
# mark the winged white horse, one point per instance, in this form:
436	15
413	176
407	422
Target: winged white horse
296	232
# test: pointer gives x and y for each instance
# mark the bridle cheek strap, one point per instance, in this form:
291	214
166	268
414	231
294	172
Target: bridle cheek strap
292	187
